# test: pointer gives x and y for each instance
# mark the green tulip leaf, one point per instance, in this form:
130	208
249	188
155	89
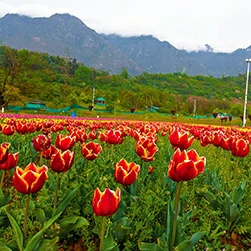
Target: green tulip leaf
4	199
40	214
47	245
188	245
66	200
17	232
3	247
143	246
4	222
238	193
71	223
109	242
31	246
121	228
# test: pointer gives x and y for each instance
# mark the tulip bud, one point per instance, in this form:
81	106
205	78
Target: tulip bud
62	162
185	166
4	148
106	203
41	142
126	173
8	130
240	147
10	162
65	142
150	169
91	150
31	179
180	139
146	149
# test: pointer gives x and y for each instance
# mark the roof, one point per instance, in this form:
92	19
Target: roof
36	101
100	99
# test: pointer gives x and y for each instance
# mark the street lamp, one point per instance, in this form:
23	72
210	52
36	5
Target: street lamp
246	94
93	95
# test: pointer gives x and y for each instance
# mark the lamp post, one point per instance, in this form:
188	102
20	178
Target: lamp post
246	94
93	95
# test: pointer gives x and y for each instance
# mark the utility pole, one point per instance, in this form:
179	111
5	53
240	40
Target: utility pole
93	96
194	107
246	94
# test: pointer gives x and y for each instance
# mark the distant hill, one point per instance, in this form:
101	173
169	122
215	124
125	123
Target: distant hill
66	35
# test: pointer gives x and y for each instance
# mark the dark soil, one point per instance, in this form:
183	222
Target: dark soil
78	246
237	241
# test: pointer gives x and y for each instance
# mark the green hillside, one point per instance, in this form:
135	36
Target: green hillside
61	82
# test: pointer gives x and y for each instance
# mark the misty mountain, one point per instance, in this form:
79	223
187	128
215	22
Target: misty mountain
155	56
66	35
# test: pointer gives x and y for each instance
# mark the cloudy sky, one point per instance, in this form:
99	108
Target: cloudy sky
187	24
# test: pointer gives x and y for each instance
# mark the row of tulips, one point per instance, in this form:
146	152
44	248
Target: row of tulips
184	164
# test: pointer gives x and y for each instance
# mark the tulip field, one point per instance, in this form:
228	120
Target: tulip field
79	184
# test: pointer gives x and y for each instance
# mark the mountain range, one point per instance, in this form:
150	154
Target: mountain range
66	35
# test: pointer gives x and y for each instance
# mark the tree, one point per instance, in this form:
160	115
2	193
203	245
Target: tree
83	74
124	73
13	63
236	110
12	94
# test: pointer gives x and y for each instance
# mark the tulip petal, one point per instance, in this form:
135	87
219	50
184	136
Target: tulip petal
20	184
187	170
38	183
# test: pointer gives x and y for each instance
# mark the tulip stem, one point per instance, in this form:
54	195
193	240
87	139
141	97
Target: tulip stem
2	179
56	193
26	216
236	171
102	235
112	154
176	210
39	158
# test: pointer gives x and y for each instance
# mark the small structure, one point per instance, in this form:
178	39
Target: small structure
100	101
152	108
35	105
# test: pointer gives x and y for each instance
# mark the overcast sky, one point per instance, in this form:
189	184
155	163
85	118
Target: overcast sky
187	24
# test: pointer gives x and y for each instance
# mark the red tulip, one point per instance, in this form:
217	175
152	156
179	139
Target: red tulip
31	179
216	138
49	152
57	128
4	150
31	127
65	142
146	149
41	142
21	127
185	165
180	139
102	136
205	138
240	147
226	142
91	150
106	203
92	135
62	161
150	169
10	162
114	137
79	134
126	173
8	130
